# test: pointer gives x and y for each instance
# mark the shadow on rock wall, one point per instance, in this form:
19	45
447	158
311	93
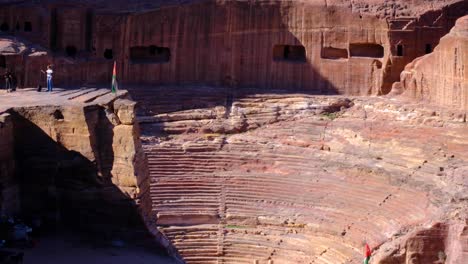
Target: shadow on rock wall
65	188
253	63
236	44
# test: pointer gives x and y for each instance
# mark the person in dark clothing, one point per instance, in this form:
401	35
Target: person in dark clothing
8	80
14	82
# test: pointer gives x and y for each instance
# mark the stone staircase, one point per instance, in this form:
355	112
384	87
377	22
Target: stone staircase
291	185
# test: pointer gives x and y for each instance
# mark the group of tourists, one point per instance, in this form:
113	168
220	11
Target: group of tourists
11	81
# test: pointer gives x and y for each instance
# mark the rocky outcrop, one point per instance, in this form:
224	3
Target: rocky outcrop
78	157
440	77
9	191
439	243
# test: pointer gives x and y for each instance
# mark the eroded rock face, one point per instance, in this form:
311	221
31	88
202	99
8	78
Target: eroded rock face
82	162
324	47
304	178
9	191
440	77
440	243
239	175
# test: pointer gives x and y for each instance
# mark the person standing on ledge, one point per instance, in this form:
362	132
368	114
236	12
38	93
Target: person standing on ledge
49	72
8	80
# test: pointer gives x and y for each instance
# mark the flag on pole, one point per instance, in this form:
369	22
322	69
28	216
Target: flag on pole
115	86
367	254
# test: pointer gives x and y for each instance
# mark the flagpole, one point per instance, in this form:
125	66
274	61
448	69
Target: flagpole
367	254
114	87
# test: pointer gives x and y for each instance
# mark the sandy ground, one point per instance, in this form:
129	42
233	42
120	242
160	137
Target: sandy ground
73	249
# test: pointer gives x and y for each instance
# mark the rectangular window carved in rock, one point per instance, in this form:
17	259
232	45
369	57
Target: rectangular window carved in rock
400	50
151	54
2	61
27	27
4	27
369	50
289	53
428	48
334	53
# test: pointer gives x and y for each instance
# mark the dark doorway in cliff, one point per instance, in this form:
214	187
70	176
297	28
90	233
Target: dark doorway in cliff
108	54
4	27
71	51
289	53
428	48
17	27
2	61
58	115
333	53
151	54
370	50
399	50
27	26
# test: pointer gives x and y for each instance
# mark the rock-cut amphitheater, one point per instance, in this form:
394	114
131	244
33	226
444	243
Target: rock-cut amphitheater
244	131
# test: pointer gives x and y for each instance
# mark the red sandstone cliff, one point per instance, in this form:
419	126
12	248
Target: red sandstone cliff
440	77
9	191
77	150
259	194
323	47
348	49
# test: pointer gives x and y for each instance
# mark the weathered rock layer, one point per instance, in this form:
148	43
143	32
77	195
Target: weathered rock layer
9	194
78	159
294	178
324	47
441	77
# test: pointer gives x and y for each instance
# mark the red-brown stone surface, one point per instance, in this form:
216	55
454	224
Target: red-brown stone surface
349	47
9	203
80	147
295	178
440	77
245	177
246	154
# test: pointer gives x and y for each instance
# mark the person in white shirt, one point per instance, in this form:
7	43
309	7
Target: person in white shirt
49	72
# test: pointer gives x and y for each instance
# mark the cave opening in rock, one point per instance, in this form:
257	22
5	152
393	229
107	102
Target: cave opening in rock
71	51
108	54
2	61
4	27
153	50
58	115
370	50
150	54
377	64
289	53
17	27
399	50
428	48
334	53
27	26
